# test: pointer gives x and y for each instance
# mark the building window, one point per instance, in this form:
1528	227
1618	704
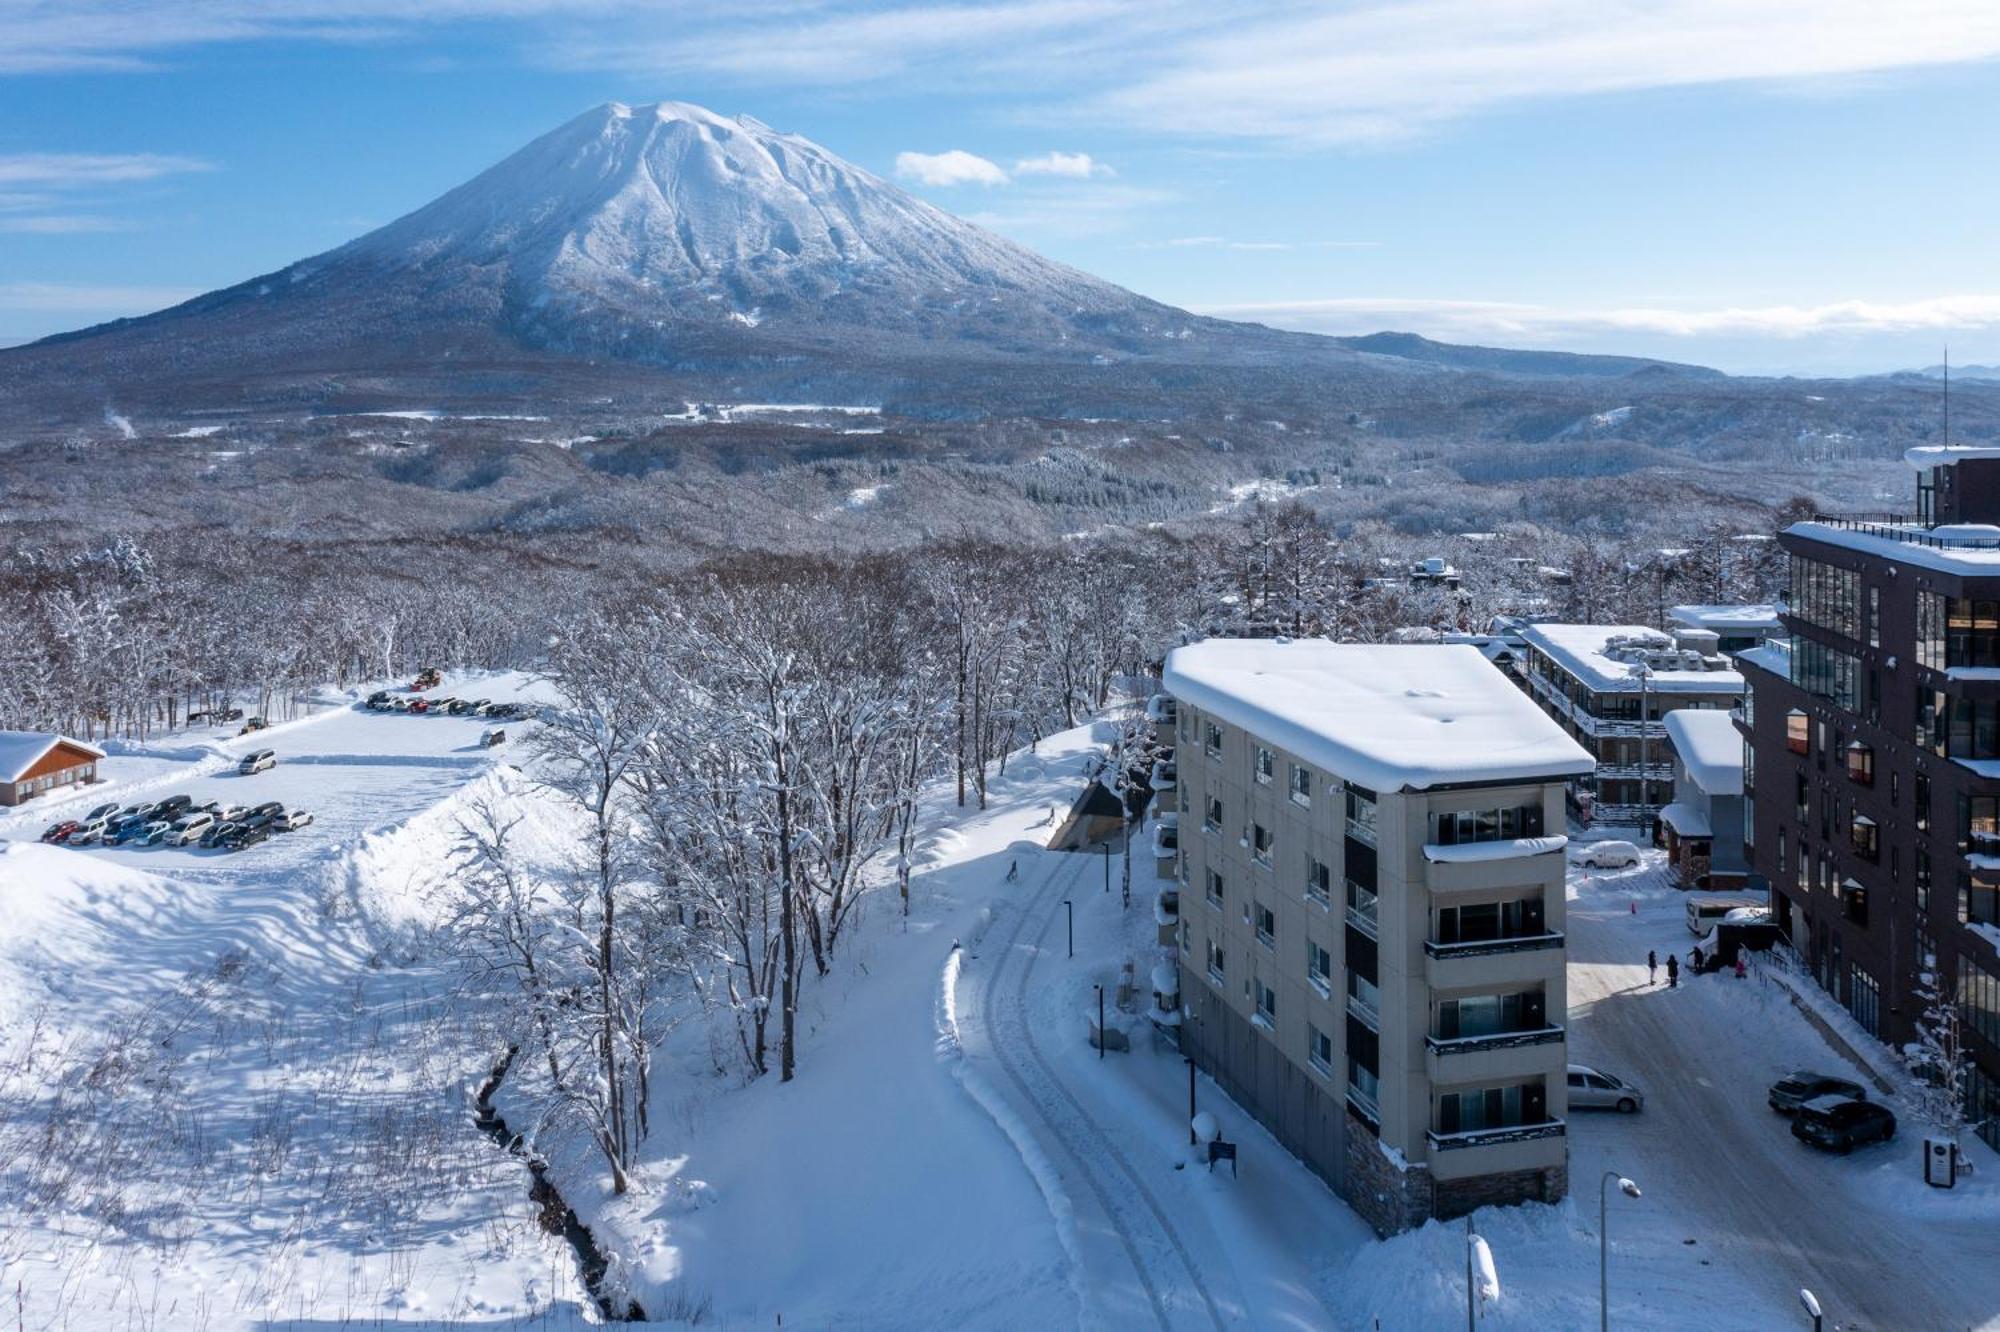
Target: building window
1826	596
1864	999
1826	672
1260	844
1319	881
1215	890
1487	921
1486	825
1874	616
1361	905
1302	785
1319	968
1861	764
1319	1051
1361	992
1211	815
1972	632
1360	813
1864	837
1211	739
1216	967
1801	795
1491	1014
1267	766
1490	1108
1981	902
1920	869
1854	902
1930	630
1798	732
1267	1004
1920	801
1781	853
1267	926
1933	719
1979	825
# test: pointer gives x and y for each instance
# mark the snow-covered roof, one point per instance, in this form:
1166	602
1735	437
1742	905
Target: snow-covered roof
1475	853
1774	655
1584	650
1746	618
1387	716
1710	747
1926	456
1959	548
22	750
1686	820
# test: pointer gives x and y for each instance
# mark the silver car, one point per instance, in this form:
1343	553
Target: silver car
1593	1089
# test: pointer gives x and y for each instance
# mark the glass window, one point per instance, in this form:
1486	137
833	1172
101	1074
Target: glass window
1260	844
1214	889
1861	764
1798	732
1302	785
1320	1050
1319	965
1360	813
1267	925
1319	881
1267	766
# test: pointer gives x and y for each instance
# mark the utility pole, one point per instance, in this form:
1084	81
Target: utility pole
1100	1018
1070	907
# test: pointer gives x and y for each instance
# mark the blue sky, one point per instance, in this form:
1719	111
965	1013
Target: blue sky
1763	185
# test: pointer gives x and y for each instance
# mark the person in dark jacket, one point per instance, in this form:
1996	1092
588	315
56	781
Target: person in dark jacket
1694	958
1673	972
1652	967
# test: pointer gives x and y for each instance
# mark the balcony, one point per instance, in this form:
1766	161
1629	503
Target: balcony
1491	1151
1527	943
1488	964
1364	1012
1498	1056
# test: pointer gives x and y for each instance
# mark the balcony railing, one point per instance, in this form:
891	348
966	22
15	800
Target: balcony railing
1363	921
1493	1137
1497	1040
1903	527
1360	1008
1526	943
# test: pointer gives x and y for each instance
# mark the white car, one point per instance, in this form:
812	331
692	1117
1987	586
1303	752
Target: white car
292	820
90	830
257	761
189	828
1594	1089
1608	855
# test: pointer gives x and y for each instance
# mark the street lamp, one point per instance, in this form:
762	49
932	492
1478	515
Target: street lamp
1630	1190
1070	907
1810	1302
1482	1282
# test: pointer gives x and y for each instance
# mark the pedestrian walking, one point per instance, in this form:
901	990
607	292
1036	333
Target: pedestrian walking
1741	970
1652	967
1695	958
1013	870
1673	972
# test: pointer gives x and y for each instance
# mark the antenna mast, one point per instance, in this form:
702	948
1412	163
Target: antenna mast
1947	395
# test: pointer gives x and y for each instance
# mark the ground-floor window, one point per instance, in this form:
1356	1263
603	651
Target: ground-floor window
1864	999
1982	1104
1492	1108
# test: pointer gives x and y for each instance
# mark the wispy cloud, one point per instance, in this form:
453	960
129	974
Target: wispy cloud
90	299
76	170
1225	243
1519	322
1074	166
952	167
61	224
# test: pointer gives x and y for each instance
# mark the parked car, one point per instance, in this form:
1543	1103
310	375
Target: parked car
101	812
420	705
1608	855
428	678
226	715
1594	1089
493	737
292	820
169	809
86	832
60	831
228	813
129	830
263	814
189	828
378	698
257	761
442	703
1707	910
1795	1089
220	832
246	835
459	707
155	832
1841	1123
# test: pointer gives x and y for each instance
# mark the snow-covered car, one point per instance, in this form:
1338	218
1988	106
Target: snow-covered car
101	812
1795	1089
219	832
1608	855
189	828
129	829
496	736
292	820
1594	1089
228	813
169	809
60	831
87	831
263	815
155	832
1841	1123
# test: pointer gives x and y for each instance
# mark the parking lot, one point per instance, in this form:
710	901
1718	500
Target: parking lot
1724	1180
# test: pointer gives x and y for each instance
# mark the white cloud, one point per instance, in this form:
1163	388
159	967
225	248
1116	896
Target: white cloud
1225	243
1488	320
84	298
75	170
953	167
1075	166
60	224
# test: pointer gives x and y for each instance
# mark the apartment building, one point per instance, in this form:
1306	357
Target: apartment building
1611	686
1370	923
1874	762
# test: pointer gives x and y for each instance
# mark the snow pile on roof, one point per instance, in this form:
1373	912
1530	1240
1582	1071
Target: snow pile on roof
1926	456
22	750
1753	617
1710	747
1389	717
1686	820
1472	853
1587	651
1977	548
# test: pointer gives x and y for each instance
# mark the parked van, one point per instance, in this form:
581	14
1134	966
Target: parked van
190	827
1706	910
258	761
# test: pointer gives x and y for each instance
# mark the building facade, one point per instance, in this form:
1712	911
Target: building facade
1874	759
34	763
1370	915
1611	686
1703	828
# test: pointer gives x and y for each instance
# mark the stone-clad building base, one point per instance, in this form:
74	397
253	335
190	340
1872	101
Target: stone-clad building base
1389	1195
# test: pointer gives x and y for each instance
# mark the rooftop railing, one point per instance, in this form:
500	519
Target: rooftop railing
1903	527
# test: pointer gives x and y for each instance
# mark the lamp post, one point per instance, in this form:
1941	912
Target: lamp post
1810	1303
1107	867
1630	1190
1070	907
1481	1281
1100	1022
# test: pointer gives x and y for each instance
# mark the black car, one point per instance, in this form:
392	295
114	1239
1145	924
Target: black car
246	835
1841	1123
1794	1090
171	808
220	833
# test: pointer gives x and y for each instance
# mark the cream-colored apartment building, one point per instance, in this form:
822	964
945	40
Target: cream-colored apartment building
1370	910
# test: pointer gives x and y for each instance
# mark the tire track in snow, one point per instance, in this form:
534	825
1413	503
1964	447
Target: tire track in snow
1010	1033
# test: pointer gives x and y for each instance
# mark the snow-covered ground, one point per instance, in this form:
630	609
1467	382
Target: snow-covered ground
234	1096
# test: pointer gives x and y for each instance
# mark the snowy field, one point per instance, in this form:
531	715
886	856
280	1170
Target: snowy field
235	1093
